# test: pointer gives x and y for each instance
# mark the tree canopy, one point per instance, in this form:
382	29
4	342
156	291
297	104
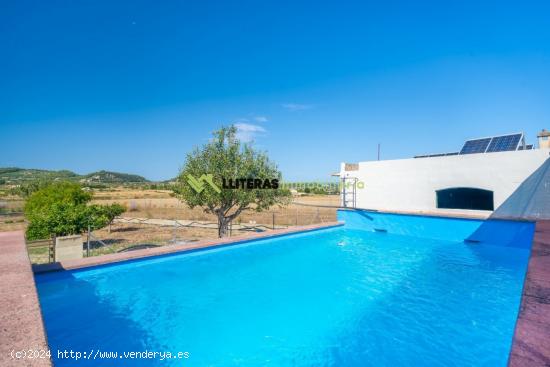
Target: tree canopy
62	208
224	157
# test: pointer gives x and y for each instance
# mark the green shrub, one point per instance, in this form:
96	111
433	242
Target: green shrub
62	209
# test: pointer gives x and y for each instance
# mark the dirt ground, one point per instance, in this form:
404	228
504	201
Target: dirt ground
12	222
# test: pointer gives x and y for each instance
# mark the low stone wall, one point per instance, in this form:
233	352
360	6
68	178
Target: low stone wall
68	248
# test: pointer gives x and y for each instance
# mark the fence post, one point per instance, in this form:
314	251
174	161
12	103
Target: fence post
51	256
231	229
88	243
296	216
273	221
174	232
53	248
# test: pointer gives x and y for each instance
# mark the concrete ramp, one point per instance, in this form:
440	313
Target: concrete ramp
531	200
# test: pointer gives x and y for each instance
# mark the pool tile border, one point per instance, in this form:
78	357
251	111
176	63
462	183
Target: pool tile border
531	343
425	213
174	249
21	325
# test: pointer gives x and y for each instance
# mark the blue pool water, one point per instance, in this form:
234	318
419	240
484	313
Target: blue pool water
337	297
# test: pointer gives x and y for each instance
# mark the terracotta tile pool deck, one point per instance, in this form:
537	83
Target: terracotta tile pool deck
22	326
531	345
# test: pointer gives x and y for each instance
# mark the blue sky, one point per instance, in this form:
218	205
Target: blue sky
132	86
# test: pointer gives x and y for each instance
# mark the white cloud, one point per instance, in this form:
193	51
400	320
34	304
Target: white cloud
296	106
260	118
248	132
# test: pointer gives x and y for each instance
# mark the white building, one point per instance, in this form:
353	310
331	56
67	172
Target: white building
478	179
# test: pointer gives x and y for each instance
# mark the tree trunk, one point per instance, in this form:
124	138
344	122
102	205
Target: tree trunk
223	226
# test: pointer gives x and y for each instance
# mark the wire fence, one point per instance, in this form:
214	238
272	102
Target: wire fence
130	233
41	251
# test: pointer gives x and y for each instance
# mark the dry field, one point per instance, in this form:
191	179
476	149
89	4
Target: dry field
160	204
12	222
11	213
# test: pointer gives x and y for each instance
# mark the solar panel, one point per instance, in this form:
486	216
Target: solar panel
475	146
435	155
527	147
504	143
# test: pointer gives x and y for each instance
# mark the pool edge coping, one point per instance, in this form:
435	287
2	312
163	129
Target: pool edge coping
20	312
531	340
95	261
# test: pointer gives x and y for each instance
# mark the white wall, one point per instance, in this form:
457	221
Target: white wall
411	184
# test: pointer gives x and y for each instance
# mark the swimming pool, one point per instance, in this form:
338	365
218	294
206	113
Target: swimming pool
346	296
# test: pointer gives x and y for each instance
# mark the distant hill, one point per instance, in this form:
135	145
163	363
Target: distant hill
113	177
15	175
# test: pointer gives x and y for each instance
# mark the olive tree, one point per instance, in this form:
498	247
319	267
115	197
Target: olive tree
203	180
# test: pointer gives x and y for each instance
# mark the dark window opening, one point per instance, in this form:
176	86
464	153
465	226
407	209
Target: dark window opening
465	198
